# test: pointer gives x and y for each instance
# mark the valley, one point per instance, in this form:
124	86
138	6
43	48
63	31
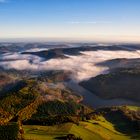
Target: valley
69	92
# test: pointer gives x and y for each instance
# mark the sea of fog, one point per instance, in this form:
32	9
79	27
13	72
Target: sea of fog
82	66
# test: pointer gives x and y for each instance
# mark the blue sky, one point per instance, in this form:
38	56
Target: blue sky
71	19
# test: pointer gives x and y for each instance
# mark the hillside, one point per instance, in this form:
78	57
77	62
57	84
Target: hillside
120	83
98	125
40	105
63	52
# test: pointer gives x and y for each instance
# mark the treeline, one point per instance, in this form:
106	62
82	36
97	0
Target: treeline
52	120
13	102
69	137
57	107
9	131
55	112
130	119
120	83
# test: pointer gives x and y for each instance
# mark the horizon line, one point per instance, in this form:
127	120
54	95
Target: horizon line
68	39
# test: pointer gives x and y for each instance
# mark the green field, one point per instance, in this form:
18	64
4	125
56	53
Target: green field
51	132
134	108
90	130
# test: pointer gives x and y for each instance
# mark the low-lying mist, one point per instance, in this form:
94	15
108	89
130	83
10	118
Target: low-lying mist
82	66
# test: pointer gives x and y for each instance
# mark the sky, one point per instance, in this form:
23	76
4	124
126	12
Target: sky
92	20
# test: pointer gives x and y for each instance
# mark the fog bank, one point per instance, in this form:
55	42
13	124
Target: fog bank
83	66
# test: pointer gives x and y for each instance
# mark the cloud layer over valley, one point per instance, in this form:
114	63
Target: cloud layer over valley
83	66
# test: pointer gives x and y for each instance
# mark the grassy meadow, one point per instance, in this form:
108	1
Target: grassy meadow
99	129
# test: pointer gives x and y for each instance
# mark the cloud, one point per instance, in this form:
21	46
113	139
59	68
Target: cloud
18	56
82	67
36	49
